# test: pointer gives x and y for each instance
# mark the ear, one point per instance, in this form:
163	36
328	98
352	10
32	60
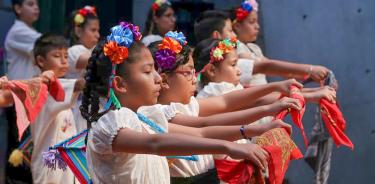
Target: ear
164	81
77	31
155	19
236	27
39	61
216	35
17	9
211	70
119	85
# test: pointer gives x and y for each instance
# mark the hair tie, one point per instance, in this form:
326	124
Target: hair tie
156	5
171	45
246	8
81	14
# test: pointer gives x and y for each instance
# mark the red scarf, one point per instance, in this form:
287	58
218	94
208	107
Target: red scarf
281	150
29	98
296	115
335	123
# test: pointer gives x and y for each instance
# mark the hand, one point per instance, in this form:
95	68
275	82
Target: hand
318	73
285	103
326	92
260	129
284	87
251	152
48	76
3	82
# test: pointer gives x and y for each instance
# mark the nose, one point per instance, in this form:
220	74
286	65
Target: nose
157	78
238	70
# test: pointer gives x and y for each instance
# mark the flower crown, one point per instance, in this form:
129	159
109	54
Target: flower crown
79	18
170	46
158	3
224	47
246	8
121	38
116	49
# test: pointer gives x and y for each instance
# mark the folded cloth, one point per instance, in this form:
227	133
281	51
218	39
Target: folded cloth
281	149
29	98
335	123
297	115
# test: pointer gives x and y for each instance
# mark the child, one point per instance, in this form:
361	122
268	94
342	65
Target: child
221	75
160	20
55	122
84	35
247	28
20	40
175	64
123	144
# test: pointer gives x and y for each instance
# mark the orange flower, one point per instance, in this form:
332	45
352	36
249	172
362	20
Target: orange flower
117	54
170	43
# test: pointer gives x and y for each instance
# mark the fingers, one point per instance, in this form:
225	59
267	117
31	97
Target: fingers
287	127
296	83
262	158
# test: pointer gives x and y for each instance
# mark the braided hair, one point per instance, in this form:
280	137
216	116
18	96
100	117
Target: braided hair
97	76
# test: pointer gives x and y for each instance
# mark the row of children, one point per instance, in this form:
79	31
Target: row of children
140	104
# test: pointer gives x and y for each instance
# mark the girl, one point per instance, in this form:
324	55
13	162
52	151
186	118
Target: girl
246	26
221	75
174	62
123	143
84	35
160	20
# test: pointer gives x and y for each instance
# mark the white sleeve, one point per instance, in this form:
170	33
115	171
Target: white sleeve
246	67
74	53
155	114
23	40
103	132
70	96
191	109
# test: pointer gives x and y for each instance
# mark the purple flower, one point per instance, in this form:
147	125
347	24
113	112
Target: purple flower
52	159
133	28
165	59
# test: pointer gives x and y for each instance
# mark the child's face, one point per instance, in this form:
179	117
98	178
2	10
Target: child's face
227	31
182	82
28	11
166	22
89	34
55	60
227	70
248	29
141	82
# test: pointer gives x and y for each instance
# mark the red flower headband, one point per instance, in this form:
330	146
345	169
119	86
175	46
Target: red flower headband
79	18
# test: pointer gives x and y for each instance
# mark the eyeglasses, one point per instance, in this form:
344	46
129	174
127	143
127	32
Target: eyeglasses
190	75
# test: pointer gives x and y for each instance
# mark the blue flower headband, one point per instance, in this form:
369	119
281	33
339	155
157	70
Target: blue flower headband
121	38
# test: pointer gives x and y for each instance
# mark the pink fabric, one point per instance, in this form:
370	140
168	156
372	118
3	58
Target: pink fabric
29	98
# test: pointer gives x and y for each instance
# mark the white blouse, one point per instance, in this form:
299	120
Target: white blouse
74	52
257	55
107	166
180	167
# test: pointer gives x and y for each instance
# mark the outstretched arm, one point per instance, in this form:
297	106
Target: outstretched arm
236	117
242	99
290	70
177	144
